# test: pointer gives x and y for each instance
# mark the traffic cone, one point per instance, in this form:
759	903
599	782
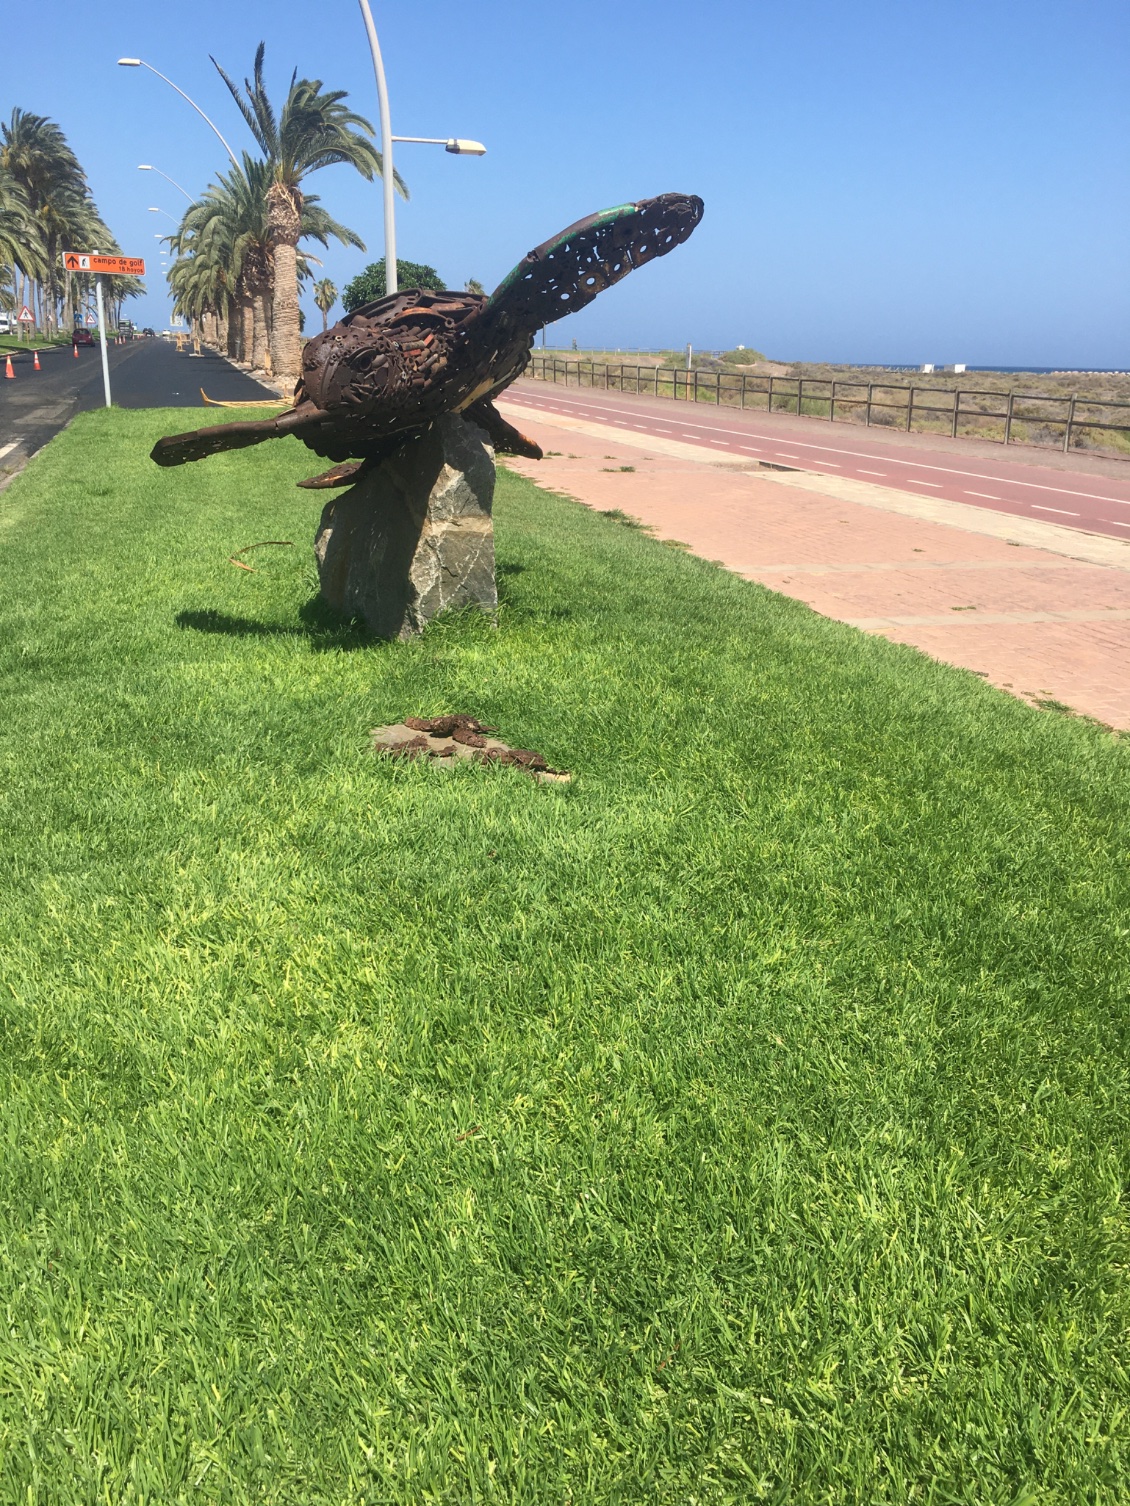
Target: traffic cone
8	372
75	349
37	360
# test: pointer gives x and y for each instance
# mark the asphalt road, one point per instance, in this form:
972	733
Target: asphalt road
1091	493
151	373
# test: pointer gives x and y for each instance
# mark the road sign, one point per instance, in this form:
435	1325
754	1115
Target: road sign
119	266
91	318
26	316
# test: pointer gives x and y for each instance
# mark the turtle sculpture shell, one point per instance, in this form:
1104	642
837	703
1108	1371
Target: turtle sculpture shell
391	367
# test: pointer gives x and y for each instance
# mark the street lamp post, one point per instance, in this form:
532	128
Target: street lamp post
141	63
452	144
147	167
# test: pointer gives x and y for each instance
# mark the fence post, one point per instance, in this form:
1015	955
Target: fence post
909	409
956	404
799	394
743	389
770	407
832	409
1070	421
1008	419
696	384
869	386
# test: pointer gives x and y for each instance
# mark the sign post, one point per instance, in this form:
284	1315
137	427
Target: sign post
120	266
102	339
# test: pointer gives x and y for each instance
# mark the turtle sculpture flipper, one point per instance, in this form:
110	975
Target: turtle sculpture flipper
392	367
505	438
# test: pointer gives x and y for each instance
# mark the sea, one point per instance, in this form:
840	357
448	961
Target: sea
1007	370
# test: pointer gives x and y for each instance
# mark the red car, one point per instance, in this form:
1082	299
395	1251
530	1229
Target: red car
82	337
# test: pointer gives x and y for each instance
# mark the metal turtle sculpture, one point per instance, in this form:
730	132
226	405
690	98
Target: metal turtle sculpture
392	367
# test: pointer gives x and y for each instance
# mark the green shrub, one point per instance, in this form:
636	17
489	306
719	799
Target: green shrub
372	282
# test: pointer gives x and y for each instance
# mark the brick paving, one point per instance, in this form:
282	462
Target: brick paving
1033	621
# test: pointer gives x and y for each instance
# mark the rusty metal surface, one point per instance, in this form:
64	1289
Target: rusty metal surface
393	366
445	740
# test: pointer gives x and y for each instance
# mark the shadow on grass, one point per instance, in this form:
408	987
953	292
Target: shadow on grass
318	622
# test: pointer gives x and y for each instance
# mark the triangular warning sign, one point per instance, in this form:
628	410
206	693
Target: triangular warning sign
26	316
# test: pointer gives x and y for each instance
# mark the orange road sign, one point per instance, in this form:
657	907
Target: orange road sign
120	266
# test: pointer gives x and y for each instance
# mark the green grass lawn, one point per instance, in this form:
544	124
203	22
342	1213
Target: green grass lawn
13	343
745	1121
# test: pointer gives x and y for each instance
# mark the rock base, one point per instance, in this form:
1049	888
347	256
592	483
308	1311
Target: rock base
414	536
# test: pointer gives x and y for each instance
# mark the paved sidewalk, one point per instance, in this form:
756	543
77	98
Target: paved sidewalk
1022	608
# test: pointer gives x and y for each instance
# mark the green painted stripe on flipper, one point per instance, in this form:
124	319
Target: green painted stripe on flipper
592	222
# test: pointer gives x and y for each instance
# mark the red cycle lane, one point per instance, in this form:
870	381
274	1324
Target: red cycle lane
1083	491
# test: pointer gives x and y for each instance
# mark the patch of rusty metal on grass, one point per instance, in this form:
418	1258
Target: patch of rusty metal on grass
234	559
449	738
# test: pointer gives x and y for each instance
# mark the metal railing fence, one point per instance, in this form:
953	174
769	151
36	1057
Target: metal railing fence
859	402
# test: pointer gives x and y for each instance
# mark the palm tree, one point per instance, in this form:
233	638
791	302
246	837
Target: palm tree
313	130
325	296
35	153
228	228
21	247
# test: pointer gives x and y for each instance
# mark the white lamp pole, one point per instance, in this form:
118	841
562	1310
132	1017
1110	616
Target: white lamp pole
387	173
141	63
453	144
102	334
147	167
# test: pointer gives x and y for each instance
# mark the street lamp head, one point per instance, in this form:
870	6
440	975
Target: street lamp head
153	209
463	148
145	167
129	62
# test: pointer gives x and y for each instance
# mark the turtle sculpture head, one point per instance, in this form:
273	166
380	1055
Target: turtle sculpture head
391	367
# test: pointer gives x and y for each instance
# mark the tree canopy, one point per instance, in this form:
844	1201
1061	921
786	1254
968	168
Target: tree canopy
372	282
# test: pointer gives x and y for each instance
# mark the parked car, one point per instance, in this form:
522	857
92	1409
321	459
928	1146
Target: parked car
82	337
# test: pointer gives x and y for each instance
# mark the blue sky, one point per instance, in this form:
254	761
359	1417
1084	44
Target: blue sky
887	180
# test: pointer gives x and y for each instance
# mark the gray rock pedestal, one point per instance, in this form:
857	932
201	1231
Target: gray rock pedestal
414	536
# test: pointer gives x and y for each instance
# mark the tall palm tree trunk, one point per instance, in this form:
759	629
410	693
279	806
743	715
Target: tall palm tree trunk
246	328
284	223
51	311
259	345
